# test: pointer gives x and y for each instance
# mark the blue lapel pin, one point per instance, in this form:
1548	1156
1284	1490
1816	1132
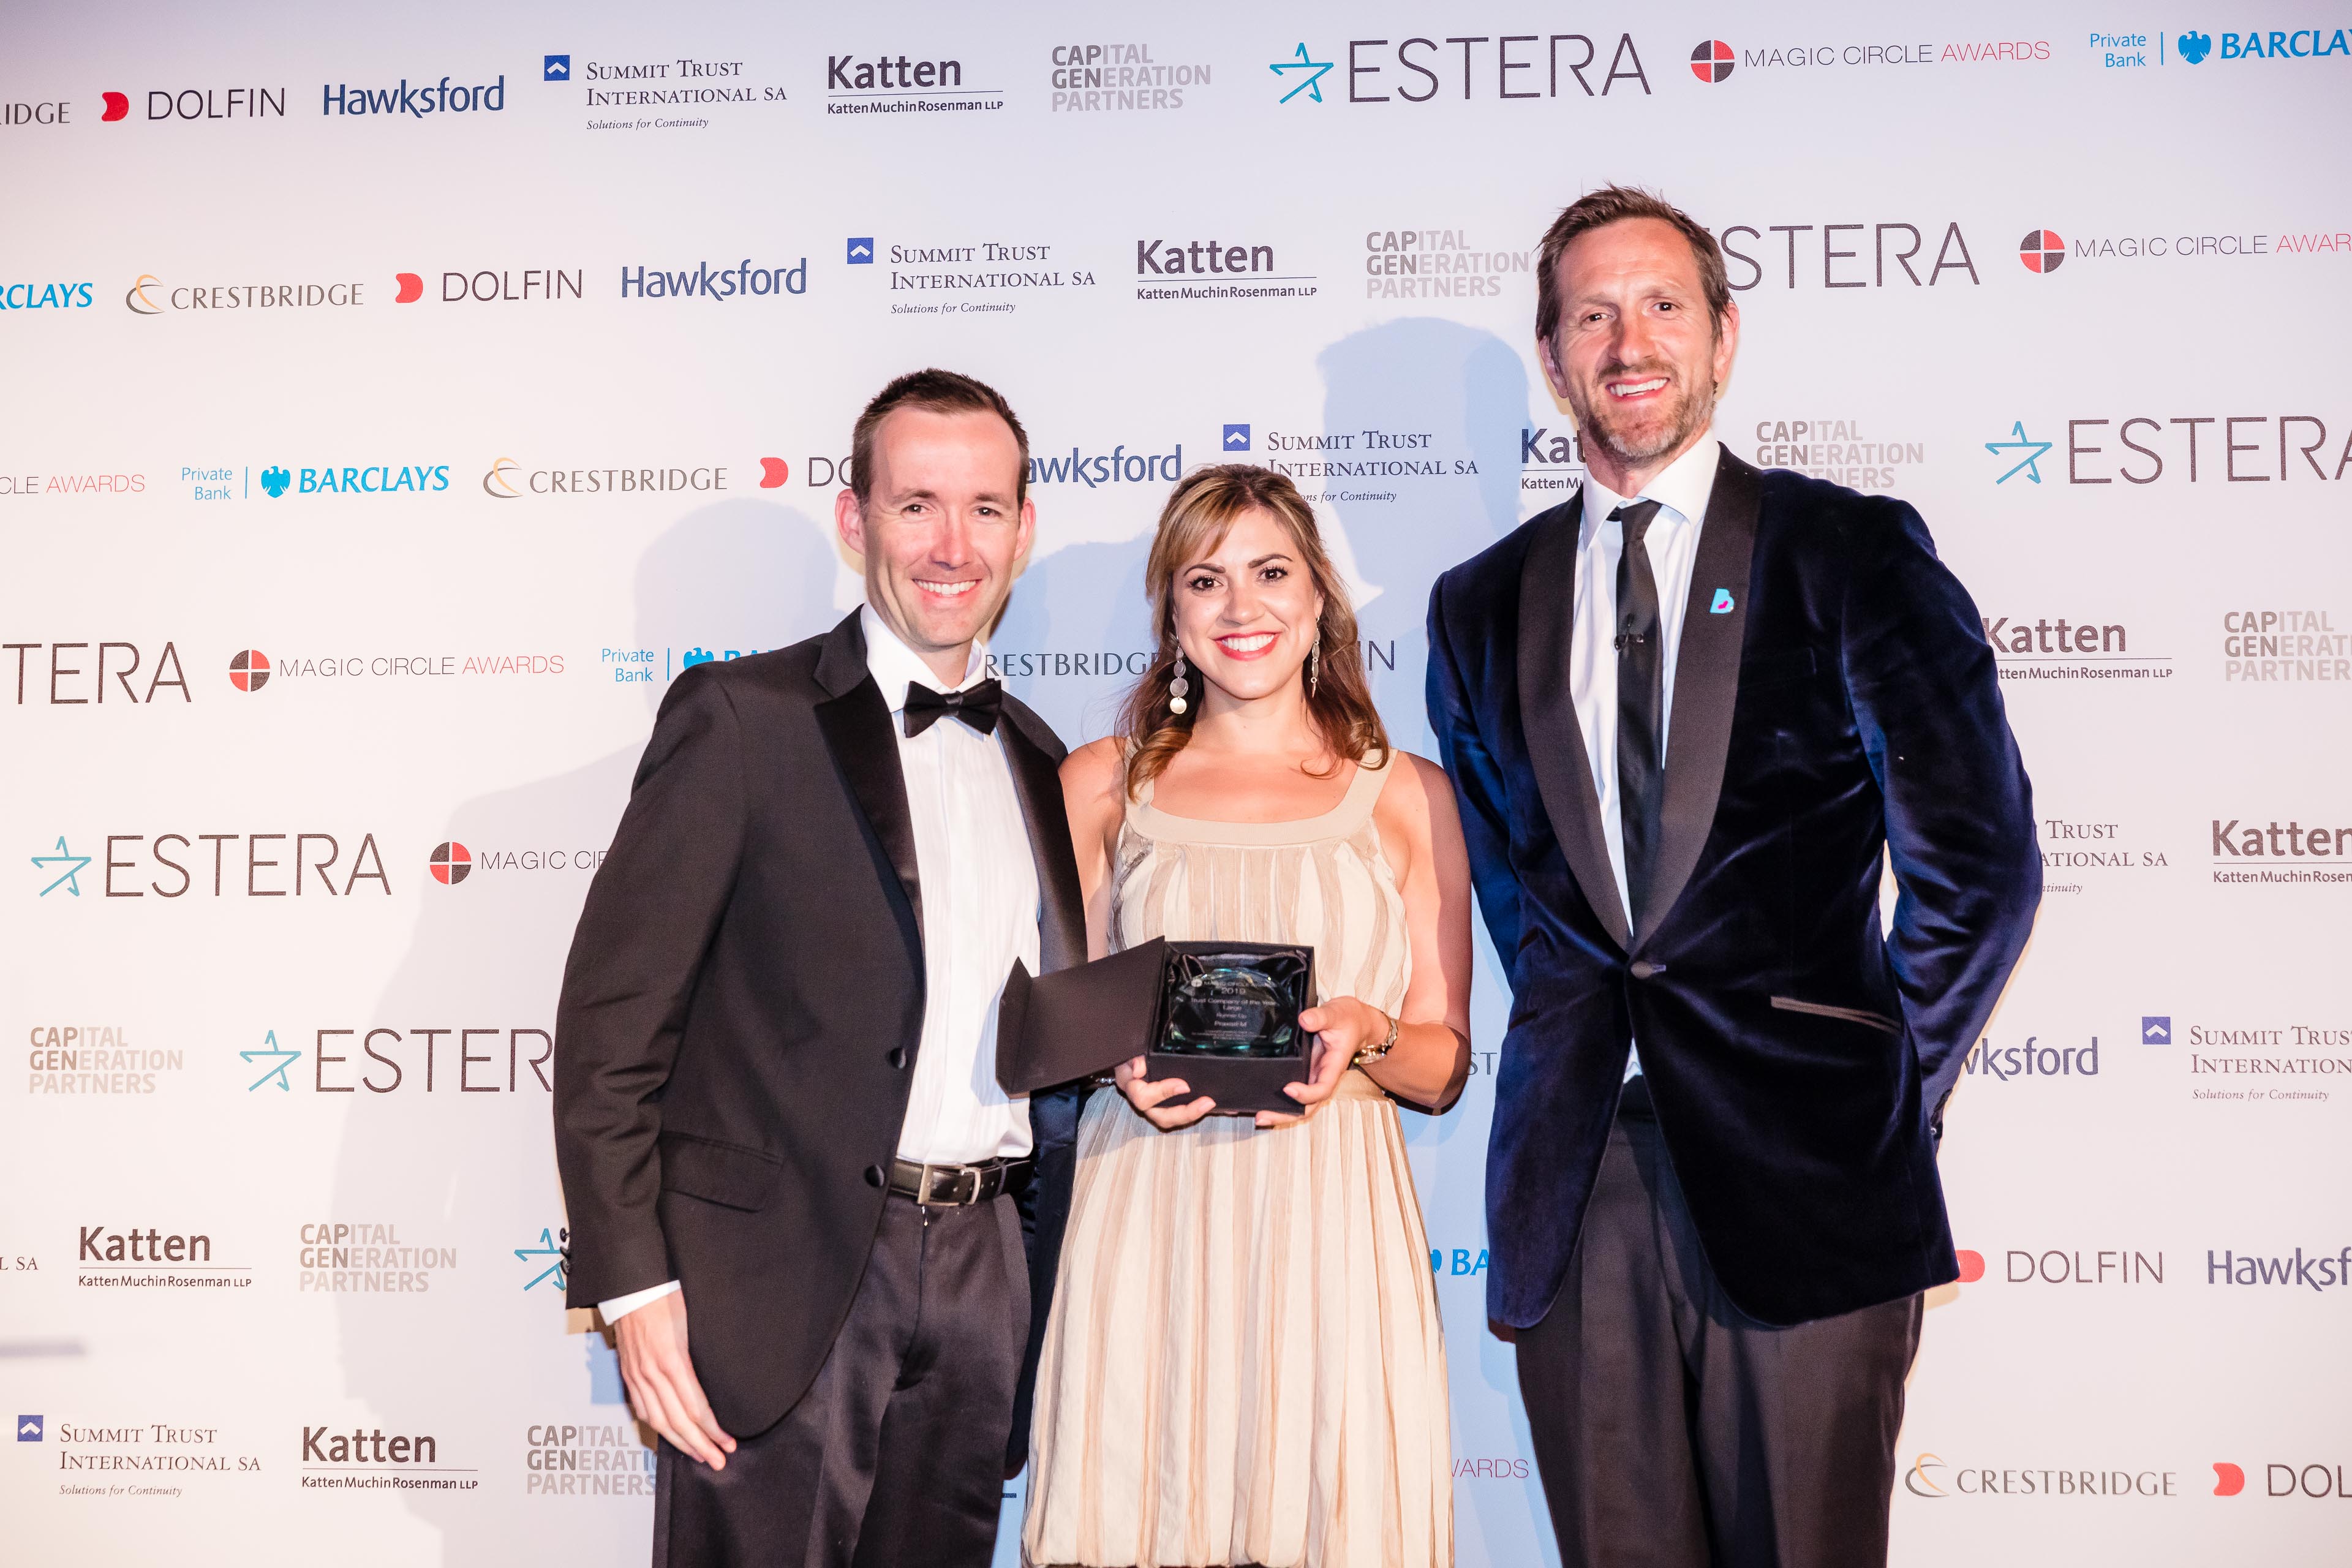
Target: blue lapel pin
1722	605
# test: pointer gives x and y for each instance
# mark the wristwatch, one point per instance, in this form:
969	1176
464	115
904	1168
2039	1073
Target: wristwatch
1370	1054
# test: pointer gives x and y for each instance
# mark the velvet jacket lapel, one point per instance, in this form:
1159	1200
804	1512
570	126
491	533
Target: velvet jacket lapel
1556	748
1062	911
1707	686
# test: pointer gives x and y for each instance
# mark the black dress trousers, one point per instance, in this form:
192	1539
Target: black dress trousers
896	1455
1673	1431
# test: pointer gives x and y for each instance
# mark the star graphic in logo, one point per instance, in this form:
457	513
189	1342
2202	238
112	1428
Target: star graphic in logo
1312	86
550	1244
2029	452
69	878
274	481
2195	47
269	1052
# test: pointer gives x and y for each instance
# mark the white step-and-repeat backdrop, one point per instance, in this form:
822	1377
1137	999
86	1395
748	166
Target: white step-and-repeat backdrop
392	406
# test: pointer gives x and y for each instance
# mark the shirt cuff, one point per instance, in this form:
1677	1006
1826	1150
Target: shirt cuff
620	1307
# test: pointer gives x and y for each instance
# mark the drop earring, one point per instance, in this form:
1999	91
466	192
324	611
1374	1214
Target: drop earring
1177	686
1313	672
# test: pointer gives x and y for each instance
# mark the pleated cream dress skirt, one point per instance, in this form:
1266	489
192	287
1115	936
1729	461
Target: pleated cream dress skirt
1243	1363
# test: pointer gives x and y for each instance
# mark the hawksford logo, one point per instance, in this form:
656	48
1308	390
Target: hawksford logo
742	282
440	97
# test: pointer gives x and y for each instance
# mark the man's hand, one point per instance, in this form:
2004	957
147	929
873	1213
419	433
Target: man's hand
663	1389
1151	1097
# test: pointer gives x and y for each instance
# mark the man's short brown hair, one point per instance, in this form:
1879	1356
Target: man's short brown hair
940	391
1614	203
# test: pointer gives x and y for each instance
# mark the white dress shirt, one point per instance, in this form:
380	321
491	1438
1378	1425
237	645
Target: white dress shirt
978	882
1681	490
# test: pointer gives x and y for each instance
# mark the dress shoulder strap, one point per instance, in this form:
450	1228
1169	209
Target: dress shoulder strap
1355	807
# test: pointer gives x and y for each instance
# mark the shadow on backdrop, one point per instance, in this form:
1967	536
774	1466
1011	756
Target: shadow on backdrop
477	1172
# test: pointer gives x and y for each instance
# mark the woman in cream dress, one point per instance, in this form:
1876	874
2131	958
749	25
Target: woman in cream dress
1244	1363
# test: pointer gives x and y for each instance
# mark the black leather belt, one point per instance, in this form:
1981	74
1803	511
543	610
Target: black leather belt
951	1186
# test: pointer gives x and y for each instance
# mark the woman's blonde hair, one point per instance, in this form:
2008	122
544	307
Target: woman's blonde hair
1200	513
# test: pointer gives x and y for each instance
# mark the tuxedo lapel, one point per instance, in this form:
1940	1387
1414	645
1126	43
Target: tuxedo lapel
856	724
1062	909
1556	742
1706	684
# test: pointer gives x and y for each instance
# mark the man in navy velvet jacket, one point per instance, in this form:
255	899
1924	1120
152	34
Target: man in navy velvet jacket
1687	713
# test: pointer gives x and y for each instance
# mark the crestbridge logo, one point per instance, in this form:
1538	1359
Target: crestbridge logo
2006	1064
1713	59
365	1459
49	111
454	1060
1212	262
150	296
1849	255
506	479
83	674
1437	264
1843	451
2283	644
1486	65
418	102
887	84
1932	1476
171	866
136	1259
2045	648
721	285
1095	78
45	296
985	266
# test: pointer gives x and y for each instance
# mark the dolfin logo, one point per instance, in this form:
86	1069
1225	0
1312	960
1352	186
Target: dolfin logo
496	483
2228	1480
1918	1482
411	288
773	472
117	106
137	299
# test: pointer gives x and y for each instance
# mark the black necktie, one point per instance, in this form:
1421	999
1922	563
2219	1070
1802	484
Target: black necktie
977	706
1641	704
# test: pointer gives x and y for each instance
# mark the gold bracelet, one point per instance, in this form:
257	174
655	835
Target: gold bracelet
1370	1054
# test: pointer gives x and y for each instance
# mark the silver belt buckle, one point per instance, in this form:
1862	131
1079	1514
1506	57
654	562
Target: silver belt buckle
954	1179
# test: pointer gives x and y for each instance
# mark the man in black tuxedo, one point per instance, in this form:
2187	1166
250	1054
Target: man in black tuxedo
775	1096
1686	714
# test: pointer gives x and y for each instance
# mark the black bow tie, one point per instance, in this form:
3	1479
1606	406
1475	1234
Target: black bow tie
977	706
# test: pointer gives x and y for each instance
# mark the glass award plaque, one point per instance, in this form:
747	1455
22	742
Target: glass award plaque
1228	1021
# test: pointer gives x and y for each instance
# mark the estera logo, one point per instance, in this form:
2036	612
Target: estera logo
415	102
270	865
76	674
432	1061
741	281
1414	71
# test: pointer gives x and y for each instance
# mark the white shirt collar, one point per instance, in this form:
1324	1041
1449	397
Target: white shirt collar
1683	487
894	663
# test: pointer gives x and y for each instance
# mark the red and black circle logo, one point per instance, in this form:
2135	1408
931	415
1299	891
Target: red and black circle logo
2042	250
1711	61
451	863
250	670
